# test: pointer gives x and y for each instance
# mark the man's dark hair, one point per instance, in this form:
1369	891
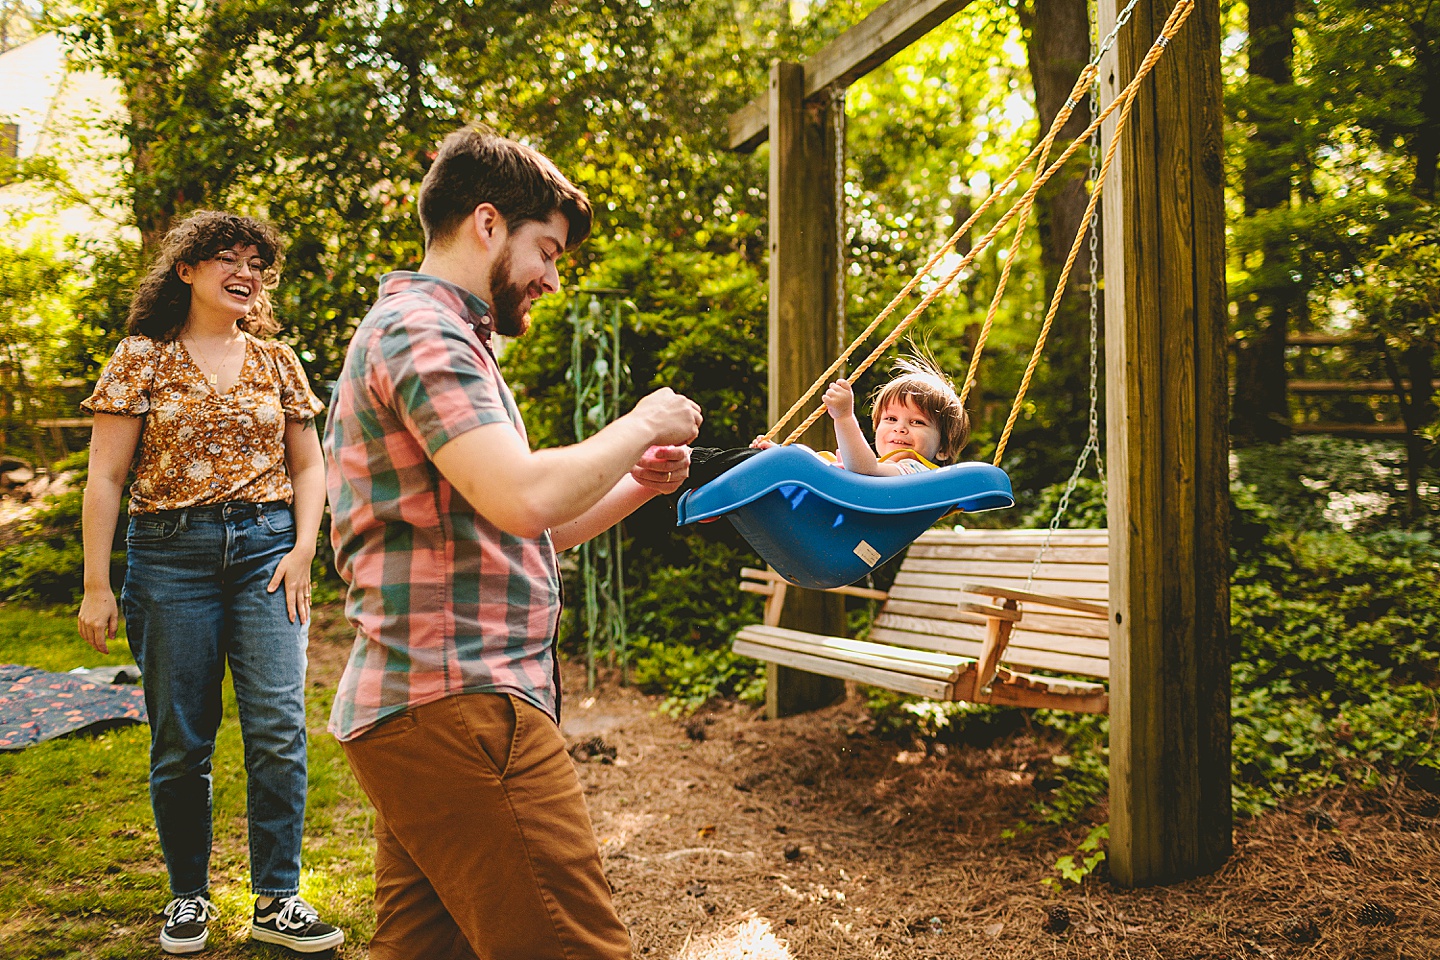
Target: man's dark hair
476	165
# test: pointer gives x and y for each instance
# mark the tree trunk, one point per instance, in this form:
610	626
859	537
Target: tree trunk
1427	138
1419	365
1261	409
1057	41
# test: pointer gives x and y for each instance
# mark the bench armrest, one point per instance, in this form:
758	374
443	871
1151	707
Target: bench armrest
1000	620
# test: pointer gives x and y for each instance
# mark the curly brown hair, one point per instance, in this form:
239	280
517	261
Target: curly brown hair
161	304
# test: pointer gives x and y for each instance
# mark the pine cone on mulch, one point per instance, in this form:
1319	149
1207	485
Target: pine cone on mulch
594	750
1304	930
1375	914
1057	920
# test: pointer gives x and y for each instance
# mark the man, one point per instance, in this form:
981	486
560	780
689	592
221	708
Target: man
446	526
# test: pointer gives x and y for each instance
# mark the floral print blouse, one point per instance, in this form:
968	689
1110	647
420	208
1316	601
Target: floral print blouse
200	445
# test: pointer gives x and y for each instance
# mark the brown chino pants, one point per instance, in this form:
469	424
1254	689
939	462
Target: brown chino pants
484	848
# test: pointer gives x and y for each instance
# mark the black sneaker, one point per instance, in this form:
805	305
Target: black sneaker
293	923
187	925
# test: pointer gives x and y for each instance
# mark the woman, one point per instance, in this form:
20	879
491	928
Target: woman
224	512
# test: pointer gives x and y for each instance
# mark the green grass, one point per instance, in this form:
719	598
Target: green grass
80	868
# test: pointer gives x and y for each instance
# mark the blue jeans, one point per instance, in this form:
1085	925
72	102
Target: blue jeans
194	601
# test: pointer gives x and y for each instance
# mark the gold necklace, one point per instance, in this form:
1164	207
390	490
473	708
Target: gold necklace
214	378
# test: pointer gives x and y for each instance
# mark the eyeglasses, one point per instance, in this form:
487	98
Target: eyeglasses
231	263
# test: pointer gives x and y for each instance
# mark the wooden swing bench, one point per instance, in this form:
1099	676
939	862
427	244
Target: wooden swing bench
958	610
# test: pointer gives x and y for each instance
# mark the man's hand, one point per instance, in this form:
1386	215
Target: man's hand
662	469
840	400
673	419
762	442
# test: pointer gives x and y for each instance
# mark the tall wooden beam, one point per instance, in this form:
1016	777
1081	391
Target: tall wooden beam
802	324
890	28
1165	317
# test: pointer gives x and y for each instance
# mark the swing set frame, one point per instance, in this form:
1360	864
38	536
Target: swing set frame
1167	443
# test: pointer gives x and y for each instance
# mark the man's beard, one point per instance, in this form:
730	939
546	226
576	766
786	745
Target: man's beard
506	297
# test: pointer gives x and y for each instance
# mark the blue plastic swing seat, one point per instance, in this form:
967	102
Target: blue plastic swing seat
823	527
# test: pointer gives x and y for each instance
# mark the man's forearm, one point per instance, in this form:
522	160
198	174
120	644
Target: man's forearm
527	493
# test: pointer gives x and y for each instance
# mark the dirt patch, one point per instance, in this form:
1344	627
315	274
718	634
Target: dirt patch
728	836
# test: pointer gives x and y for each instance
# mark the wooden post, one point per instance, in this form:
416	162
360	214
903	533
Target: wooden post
802	323
1165	317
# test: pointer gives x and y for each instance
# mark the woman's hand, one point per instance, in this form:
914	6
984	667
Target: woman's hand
294	572
662	468
840	400
99	618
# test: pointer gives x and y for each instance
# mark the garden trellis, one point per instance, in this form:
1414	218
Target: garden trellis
597	374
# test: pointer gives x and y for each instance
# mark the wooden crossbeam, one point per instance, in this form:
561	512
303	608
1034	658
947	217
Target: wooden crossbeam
1344	386
892	27
1351	429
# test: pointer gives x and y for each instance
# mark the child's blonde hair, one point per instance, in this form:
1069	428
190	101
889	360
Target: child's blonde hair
919	380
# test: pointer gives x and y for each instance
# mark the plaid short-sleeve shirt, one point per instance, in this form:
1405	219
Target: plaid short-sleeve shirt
443	601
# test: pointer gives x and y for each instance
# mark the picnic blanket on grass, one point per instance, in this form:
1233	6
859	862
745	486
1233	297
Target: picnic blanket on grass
36	705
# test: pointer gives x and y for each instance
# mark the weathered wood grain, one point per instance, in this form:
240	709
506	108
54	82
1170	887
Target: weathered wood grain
1165	364
888	29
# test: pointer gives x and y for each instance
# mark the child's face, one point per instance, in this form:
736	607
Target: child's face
902	426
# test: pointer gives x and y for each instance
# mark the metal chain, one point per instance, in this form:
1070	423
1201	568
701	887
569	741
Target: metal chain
1094	436
1104	46
1092	439
837	123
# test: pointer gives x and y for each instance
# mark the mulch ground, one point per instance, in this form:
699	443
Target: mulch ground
727	836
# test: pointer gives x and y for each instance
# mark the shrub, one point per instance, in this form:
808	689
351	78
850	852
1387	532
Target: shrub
44	559
682	621
1335	665
690	677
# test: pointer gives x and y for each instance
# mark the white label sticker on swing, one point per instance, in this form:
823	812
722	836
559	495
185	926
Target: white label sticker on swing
869	554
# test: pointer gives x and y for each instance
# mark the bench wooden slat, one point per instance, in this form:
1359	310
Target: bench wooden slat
1021	639
889	679
955	581
1017	652
1013	570
937	588
931	548
1048	619
1032	535
921	663
1088	643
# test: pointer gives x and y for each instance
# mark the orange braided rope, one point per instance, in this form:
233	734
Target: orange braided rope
1082	86
1177	17
1040	149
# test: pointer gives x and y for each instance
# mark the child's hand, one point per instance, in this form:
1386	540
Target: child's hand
840	400
762	442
